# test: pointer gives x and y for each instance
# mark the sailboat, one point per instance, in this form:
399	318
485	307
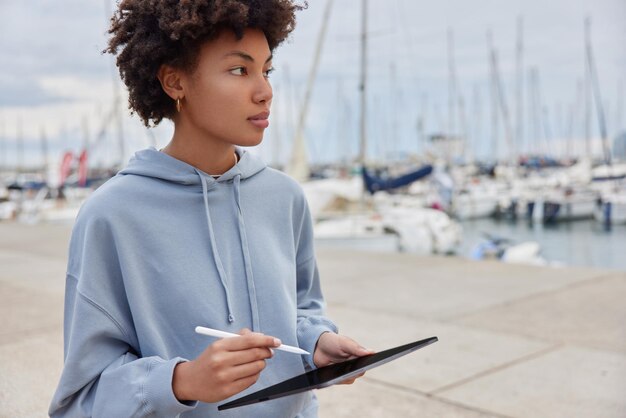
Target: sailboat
338	221
375	183
8	208
611	205
387	223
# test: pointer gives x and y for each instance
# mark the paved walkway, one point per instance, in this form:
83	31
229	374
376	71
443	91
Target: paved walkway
515	341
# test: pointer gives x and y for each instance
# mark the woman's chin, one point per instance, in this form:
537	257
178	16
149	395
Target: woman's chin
250	142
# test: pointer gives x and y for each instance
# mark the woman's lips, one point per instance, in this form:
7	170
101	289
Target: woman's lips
260	123
260	120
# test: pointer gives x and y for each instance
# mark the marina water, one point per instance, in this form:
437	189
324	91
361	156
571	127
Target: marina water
584	243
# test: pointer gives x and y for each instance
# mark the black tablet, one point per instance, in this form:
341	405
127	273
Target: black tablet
328	375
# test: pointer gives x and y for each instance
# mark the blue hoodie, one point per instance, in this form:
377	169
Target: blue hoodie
163	247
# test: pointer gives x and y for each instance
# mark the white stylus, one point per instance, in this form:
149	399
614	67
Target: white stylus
223	334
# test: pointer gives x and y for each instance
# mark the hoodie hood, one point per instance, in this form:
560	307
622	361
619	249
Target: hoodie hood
152	163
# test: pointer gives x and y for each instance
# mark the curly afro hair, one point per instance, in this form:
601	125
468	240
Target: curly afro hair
151	33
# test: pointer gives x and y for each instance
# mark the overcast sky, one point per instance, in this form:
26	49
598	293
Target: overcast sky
54	79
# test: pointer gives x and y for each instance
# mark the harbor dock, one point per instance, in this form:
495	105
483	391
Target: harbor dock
514	340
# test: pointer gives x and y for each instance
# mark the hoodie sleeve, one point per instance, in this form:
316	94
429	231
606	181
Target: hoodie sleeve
103	375
311	320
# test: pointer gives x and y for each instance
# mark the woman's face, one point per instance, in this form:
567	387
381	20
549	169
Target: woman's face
228	96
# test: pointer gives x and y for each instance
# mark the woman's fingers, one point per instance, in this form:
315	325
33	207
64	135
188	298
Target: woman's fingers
244	375
335	348
246	341
351	348
250	355
352	379
243	371
224	368
243	384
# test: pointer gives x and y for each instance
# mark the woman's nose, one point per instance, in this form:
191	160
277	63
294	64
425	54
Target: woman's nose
263	93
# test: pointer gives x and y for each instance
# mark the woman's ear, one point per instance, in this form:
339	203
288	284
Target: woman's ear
170	79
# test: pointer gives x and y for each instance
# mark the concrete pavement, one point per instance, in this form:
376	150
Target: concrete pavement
515	341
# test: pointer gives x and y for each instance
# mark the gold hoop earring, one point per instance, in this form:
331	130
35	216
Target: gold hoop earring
178	106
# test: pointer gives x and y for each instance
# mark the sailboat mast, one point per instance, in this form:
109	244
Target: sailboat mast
620	107
569	152
587	94
576	116
451	97
519	91
596	90
343	111
451	86
500	97
464	131
421	125
477	123
44	152
304	110
3	147
362	85
298	166
541	115
494	102
20	147
394	147
535	109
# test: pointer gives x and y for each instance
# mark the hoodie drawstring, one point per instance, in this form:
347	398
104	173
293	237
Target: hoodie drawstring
218	260
246	258
244	248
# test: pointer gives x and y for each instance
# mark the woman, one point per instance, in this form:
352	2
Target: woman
198	233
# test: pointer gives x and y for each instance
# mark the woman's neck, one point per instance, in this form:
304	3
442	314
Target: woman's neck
210	156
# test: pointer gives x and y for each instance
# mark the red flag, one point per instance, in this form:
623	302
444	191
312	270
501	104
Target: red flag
66	165
82	168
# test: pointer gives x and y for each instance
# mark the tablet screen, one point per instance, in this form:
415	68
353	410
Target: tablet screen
327	375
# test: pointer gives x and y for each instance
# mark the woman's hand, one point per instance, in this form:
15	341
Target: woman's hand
224	369
334	348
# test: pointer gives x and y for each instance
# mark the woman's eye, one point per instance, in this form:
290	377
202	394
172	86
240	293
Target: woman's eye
268	72
238	71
